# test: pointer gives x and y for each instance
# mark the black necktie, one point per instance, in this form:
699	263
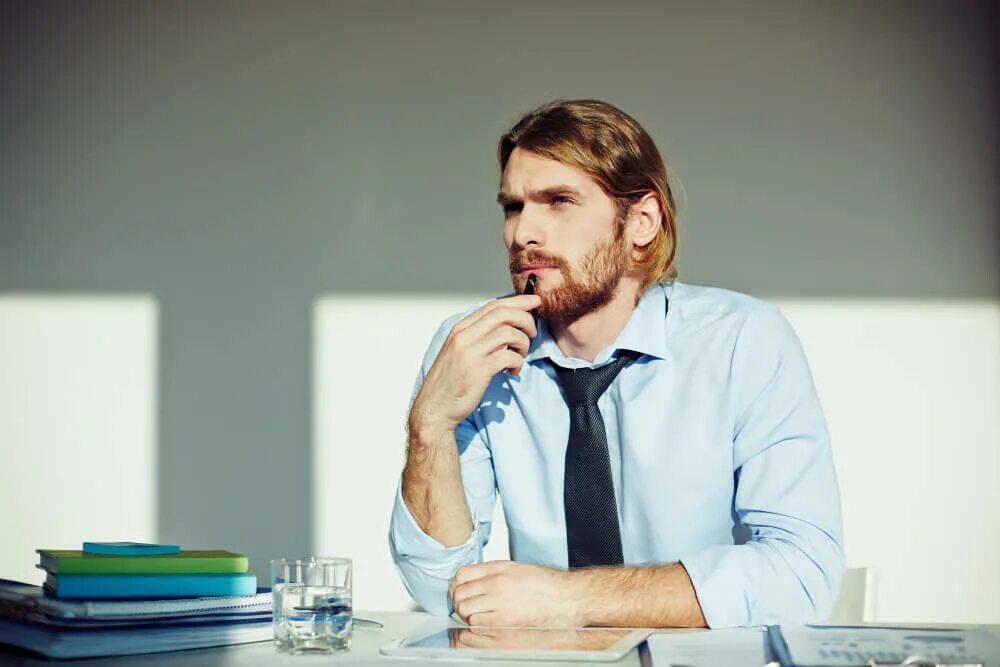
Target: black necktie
593	536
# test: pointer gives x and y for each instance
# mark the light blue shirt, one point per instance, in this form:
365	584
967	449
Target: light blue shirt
720	458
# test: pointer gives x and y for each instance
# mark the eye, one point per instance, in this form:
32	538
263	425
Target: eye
560	200
511	209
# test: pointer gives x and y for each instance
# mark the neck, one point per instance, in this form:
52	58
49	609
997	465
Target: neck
587	335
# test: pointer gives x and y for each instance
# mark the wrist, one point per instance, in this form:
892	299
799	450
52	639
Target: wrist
427	429
580	583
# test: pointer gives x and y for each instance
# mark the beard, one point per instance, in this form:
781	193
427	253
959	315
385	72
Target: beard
584	291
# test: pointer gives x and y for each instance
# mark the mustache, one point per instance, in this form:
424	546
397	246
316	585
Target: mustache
519	261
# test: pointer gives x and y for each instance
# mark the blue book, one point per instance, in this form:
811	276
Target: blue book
129	549
118	586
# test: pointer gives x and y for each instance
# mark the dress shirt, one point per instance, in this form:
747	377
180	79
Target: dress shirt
720	459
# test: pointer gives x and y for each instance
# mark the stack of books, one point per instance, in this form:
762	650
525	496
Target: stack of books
95	603
97	576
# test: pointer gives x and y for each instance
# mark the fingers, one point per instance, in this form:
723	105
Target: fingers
469	597
479	570
499	319
504	337
485	619
477	604
504	359
485	336
463	575
469	573
502	311
465	592
474	591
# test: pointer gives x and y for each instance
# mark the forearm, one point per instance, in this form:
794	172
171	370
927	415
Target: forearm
659	596
432	485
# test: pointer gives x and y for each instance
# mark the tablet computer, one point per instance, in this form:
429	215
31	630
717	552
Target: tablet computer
461	641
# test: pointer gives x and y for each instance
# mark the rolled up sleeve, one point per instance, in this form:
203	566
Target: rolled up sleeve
790	569
425	565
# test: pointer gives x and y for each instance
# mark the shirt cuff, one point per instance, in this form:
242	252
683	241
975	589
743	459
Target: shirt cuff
433	559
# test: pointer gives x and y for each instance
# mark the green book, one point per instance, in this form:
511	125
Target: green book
185	562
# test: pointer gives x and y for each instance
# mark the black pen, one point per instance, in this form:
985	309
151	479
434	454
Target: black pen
529	287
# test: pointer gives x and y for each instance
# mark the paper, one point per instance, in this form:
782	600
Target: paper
842	646
733	647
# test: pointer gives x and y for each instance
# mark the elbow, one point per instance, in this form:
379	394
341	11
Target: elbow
826	587
818	579
427	587
437	605
430	593
800	584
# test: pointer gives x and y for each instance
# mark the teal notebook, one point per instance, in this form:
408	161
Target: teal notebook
118	586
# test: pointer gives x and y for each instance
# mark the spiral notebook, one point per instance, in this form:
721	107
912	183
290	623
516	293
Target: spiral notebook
19	599
31	620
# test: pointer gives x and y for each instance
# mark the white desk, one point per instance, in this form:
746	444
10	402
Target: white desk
743	651
364	650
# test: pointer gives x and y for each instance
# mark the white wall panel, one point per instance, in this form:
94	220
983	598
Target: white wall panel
77	424
910	389
368	353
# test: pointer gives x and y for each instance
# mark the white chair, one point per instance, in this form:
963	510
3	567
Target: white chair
856	601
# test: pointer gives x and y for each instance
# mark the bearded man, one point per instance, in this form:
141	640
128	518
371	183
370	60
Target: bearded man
658	447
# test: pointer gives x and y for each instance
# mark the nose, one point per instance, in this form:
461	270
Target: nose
528	228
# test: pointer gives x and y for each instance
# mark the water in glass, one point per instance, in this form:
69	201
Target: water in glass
311	618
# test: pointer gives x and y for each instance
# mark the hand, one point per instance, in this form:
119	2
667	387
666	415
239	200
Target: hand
496	337
504	593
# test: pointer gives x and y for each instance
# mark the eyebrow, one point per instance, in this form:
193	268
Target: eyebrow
504	198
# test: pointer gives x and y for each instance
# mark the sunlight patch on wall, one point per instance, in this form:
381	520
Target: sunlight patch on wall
910	389
78	401
367	352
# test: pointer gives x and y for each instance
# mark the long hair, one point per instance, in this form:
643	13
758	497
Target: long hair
611	147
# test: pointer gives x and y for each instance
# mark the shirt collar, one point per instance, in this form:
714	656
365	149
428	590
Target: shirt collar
645	333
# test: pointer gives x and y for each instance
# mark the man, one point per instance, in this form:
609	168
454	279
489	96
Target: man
658	447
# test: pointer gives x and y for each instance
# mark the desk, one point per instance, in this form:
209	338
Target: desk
364	650
746	652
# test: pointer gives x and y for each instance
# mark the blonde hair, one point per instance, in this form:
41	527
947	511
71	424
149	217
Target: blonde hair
611	147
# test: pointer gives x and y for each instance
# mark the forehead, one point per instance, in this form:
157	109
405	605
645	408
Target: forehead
529	171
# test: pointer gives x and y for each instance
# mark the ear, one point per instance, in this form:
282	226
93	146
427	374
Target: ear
645	219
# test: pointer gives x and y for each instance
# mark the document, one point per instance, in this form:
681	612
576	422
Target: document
734	647
843	646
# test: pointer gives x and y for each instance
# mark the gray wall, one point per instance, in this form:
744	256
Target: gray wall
238	159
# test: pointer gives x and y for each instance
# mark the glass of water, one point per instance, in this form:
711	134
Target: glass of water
312	604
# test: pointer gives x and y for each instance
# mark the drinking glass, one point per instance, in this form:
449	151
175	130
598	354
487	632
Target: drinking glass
312	604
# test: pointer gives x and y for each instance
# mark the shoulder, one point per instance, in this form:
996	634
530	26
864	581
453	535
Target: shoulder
697	307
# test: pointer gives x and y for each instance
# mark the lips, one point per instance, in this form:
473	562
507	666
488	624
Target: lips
538	270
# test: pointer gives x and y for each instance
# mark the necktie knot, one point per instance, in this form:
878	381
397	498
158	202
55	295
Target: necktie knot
584	386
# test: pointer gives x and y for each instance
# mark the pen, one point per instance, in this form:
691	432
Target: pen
529	288
366	622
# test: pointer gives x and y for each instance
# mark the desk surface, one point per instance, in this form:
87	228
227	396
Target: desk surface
742	648
364	649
